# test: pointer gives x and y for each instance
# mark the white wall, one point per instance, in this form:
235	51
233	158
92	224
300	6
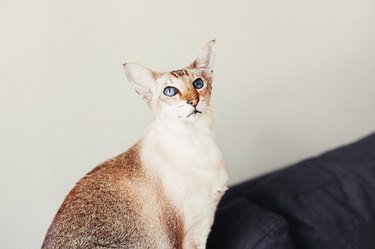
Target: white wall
293	79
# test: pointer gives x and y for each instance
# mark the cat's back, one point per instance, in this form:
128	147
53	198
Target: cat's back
117	205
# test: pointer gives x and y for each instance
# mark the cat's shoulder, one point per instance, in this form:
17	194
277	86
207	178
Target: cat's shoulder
112	180
127	164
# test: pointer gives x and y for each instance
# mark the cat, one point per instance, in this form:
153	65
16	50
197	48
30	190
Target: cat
163	192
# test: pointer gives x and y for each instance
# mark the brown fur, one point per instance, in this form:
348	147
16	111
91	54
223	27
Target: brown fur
173	225
191	93
180	73
193	65
116	205
155	75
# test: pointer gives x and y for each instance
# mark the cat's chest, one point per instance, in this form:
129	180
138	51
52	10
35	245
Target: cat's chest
191	168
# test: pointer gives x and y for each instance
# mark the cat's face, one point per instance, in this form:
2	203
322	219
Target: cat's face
182	95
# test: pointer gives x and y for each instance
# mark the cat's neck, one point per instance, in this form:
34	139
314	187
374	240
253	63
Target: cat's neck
201	124
172	135
179	147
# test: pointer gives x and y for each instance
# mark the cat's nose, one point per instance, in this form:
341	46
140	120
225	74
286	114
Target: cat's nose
193	101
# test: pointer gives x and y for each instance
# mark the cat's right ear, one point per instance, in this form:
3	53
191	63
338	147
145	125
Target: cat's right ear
141	78
206	58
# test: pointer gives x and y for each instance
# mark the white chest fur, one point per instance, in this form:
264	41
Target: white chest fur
192	172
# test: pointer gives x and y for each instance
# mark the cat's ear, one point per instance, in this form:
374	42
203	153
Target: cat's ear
206	58
141	78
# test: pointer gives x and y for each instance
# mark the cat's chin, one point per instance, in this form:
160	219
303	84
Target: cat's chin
194	113
190	117
193	116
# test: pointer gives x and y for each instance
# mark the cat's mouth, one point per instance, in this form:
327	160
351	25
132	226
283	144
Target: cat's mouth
193	113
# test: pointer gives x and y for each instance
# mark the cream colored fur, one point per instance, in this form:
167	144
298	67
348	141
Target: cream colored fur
180	150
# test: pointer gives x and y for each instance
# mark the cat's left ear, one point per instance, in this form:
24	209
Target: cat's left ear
206	58
142	79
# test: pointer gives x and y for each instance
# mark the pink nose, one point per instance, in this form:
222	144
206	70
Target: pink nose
193	102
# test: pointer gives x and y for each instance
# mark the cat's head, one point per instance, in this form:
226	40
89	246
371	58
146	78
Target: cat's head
181	95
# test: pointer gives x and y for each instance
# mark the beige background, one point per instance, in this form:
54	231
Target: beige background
293	79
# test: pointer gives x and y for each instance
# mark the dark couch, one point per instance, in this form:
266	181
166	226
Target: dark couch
327	202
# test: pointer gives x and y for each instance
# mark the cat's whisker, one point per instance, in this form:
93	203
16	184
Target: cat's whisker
220	110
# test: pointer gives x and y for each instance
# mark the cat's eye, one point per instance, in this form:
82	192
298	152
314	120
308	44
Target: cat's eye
198	83
170	91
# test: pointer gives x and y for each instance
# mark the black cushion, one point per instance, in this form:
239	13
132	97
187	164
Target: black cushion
243	225
328	201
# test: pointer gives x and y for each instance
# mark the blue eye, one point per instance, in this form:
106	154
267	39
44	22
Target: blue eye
198	83
170	91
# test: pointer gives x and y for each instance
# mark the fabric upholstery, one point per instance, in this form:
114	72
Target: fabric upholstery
327	202
241	224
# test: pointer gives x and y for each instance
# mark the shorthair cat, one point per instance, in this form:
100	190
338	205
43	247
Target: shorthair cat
162	193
